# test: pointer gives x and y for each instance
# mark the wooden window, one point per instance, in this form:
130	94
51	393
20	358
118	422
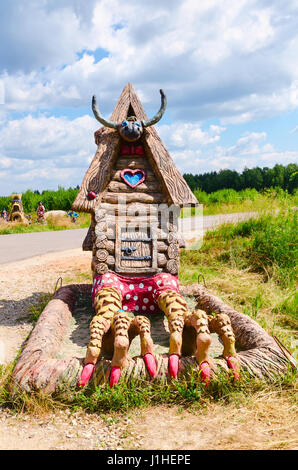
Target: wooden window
136	248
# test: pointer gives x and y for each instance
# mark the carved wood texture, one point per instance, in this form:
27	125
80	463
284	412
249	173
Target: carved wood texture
38	369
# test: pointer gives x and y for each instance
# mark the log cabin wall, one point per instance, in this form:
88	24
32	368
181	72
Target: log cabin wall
145	217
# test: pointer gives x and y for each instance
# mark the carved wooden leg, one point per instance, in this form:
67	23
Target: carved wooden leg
120	326
175	308
141	325
199	321
221	324
125	329
106	303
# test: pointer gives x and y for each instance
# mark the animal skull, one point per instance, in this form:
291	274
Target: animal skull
130	129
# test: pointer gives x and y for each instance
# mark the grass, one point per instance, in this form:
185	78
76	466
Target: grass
53	223
251	266
36	310
267	244
226	201
188	393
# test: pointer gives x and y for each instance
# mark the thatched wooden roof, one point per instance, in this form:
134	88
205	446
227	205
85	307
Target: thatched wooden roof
99	173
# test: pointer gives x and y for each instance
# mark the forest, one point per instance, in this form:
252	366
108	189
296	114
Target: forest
280	176
256	179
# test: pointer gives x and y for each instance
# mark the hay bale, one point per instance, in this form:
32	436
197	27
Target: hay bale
55	214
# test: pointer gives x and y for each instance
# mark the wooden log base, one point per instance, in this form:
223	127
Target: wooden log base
38	368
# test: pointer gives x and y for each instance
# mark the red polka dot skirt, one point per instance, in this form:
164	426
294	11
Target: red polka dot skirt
139	294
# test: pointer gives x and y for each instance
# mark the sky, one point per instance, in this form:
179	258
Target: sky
229	69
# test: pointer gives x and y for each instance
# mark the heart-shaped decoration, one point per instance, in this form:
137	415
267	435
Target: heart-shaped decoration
133	177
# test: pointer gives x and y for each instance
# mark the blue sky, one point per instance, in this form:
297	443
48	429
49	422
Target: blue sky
229	69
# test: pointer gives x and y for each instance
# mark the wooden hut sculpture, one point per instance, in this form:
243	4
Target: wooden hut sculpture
134	193
16	213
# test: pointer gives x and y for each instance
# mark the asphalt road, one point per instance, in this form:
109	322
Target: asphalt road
17	247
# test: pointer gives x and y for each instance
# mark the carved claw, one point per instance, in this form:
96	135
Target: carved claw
205	373
86	375
221	324
173	365
115	376
234	364
175	308
150	363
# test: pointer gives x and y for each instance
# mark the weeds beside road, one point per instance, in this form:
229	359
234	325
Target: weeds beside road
227	201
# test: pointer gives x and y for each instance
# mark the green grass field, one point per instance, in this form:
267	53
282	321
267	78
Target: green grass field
252	266
53	223
226	201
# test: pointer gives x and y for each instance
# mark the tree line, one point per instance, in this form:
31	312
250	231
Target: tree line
60	199
285	177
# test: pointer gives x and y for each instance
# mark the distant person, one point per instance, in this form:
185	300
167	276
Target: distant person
4	215
73	215
40	212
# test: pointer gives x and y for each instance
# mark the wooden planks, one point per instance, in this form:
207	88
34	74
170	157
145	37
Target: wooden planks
134	164
141	247
146	187
144	198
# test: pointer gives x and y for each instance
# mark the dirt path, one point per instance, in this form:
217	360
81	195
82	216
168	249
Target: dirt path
266	422
23	283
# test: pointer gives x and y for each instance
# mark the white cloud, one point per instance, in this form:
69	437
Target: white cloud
293	131
45	151
41	33
230	59
279	157
249	144
47	137
249	151
223	61
189	135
